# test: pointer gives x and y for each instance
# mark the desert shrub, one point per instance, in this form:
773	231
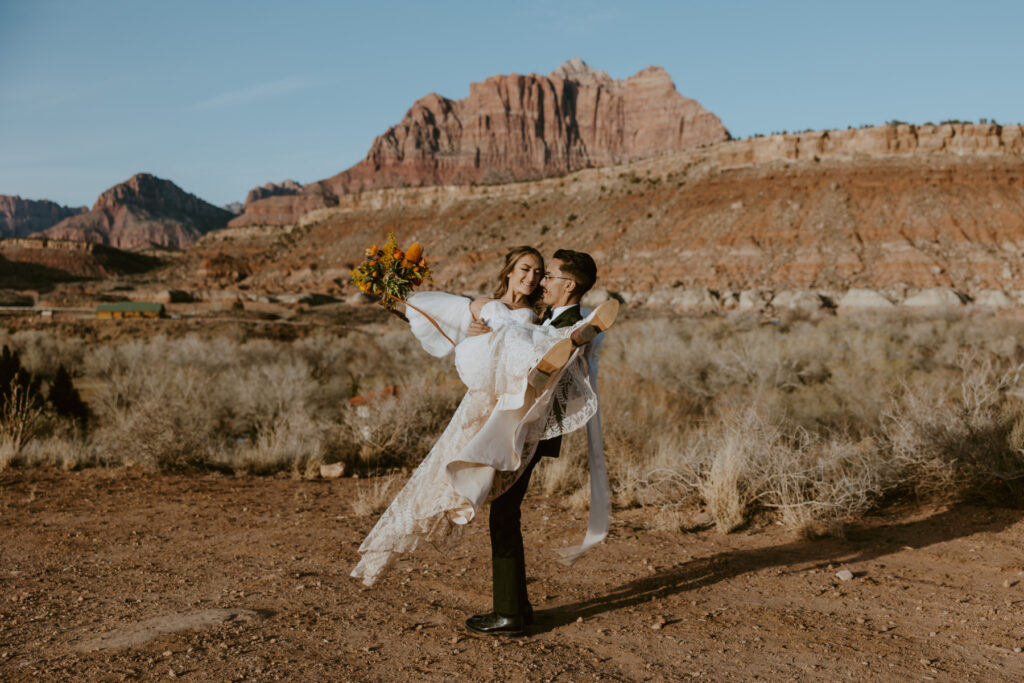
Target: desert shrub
21	418
66	400
43	352
962	434
811	421
168	425
63	448
292	441
818	421
25	411
372	496
397	431
261	406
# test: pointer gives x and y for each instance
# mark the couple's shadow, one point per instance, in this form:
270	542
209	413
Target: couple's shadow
862	544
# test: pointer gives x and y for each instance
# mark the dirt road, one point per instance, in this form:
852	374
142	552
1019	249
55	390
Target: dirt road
120	575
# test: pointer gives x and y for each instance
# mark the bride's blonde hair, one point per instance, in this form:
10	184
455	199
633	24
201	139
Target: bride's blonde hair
511	259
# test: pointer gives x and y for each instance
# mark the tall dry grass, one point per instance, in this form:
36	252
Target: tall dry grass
811	421
257	406
817	421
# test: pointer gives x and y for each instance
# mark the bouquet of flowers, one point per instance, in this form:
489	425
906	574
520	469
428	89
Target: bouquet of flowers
392	274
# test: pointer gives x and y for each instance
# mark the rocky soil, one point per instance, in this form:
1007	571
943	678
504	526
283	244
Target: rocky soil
119	575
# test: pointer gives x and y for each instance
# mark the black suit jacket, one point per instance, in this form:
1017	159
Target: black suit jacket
550	448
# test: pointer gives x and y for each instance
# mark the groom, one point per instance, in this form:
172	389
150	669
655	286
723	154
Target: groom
570	274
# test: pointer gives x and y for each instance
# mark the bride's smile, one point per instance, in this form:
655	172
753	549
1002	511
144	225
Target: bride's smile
526	275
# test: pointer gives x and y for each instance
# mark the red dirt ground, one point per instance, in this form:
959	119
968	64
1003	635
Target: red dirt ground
120	575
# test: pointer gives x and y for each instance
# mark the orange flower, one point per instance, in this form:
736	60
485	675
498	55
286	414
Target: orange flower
398	255
414	252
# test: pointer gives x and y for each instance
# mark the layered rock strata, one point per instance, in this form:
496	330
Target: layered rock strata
876	141
288	187
894	223
513	128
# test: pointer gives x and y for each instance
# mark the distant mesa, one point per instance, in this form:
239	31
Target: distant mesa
27	262
272	190
143	212
233	208
20	217
513	128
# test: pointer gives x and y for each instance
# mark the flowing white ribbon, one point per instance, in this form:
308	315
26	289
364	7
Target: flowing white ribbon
600	497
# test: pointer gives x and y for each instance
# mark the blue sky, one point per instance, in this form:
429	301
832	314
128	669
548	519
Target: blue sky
222	96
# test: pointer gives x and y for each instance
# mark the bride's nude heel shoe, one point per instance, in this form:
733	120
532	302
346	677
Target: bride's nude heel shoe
552	361
601	319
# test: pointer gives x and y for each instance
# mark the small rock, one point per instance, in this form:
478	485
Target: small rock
332	471
658	623
844	574
1017	649
1009	584
579	620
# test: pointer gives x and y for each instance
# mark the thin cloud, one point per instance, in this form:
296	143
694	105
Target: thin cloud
254	93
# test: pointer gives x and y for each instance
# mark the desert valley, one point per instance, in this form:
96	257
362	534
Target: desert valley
813	404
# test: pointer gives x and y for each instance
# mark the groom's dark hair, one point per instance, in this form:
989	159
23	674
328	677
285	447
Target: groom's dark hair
580	267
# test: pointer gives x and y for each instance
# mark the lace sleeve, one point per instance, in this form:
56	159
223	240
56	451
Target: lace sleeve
450	311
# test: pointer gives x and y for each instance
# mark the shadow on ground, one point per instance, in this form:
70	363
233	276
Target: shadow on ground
862	544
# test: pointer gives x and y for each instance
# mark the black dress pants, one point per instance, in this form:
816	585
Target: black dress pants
508	563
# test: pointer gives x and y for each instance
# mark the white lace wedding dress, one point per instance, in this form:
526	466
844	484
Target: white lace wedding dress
494	432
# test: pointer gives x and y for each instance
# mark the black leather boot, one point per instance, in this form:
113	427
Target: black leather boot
494	624
510	615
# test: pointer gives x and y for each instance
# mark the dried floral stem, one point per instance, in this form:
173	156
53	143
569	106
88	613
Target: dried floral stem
425	315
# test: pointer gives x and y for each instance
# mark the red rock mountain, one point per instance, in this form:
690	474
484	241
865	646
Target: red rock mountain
141	213
20	217
272	190
513	128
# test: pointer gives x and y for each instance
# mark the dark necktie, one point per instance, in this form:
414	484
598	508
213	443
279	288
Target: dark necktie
546	317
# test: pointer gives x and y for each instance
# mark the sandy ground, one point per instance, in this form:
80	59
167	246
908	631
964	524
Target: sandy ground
115	575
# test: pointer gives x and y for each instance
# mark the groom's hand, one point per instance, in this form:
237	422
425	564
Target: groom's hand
477	327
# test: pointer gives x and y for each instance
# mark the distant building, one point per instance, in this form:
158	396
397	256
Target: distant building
130	309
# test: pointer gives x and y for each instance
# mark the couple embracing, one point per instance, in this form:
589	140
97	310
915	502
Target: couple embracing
530	378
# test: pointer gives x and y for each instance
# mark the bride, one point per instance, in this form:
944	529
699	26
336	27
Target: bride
513	375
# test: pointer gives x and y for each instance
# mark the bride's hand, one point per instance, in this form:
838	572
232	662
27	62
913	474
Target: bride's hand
477	327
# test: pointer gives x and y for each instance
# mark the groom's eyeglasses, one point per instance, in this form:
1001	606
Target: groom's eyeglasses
549	276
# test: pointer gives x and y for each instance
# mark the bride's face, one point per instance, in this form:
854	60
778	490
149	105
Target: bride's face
525	275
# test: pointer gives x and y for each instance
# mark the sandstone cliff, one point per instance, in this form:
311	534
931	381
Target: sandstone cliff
876	141
20	217
143	212
288	187
513	128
